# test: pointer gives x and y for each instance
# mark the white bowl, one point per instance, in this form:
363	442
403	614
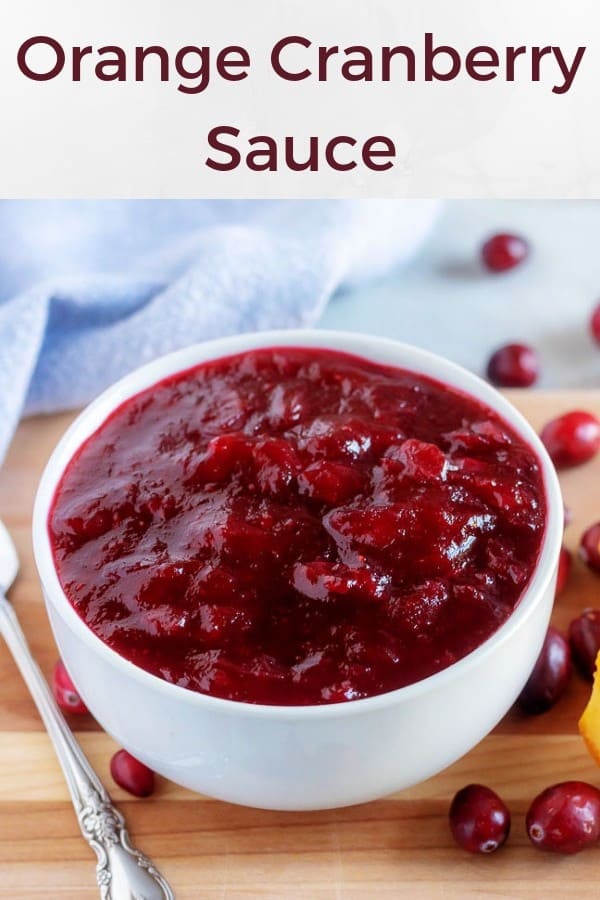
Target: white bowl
308	757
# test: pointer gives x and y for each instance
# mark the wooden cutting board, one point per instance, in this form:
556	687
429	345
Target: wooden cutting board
397	847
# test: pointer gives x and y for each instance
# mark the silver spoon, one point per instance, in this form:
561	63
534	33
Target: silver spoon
122	872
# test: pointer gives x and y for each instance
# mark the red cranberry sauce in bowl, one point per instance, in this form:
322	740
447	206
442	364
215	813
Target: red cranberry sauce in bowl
297	526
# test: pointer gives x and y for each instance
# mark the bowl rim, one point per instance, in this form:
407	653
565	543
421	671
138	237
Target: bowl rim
377	349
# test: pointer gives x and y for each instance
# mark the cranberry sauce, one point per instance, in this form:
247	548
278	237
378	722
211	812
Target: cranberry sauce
297	526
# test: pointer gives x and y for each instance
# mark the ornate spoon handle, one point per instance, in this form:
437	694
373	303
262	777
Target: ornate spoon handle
123	873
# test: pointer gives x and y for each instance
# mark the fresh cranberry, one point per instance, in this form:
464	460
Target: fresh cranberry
572	439
479	820
589	547
131	774
504	251
565	563
584	637
550	675
65	692
595	323
514	365
565	818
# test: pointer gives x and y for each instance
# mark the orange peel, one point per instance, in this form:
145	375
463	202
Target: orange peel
589	723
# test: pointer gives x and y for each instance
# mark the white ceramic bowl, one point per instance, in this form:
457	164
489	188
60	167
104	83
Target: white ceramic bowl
311	757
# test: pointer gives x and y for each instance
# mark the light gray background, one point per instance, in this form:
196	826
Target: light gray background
454	139
445	301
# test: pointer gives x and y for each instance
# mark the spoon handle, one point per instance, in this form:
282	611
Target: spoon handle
122	872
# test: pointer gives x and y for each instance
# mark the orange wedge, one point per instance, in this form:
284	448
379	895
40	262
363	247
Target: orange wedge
589	723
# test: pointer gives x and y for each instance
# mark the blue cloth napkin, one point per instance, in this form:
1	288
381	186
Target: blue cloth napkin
91	289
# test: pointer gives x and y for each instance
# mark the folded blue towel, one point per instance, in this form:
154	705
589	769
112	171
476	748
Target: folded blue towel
91	289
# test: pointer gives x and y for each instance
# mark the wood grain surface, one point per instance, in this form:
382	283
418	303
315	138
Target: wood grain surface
397	847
